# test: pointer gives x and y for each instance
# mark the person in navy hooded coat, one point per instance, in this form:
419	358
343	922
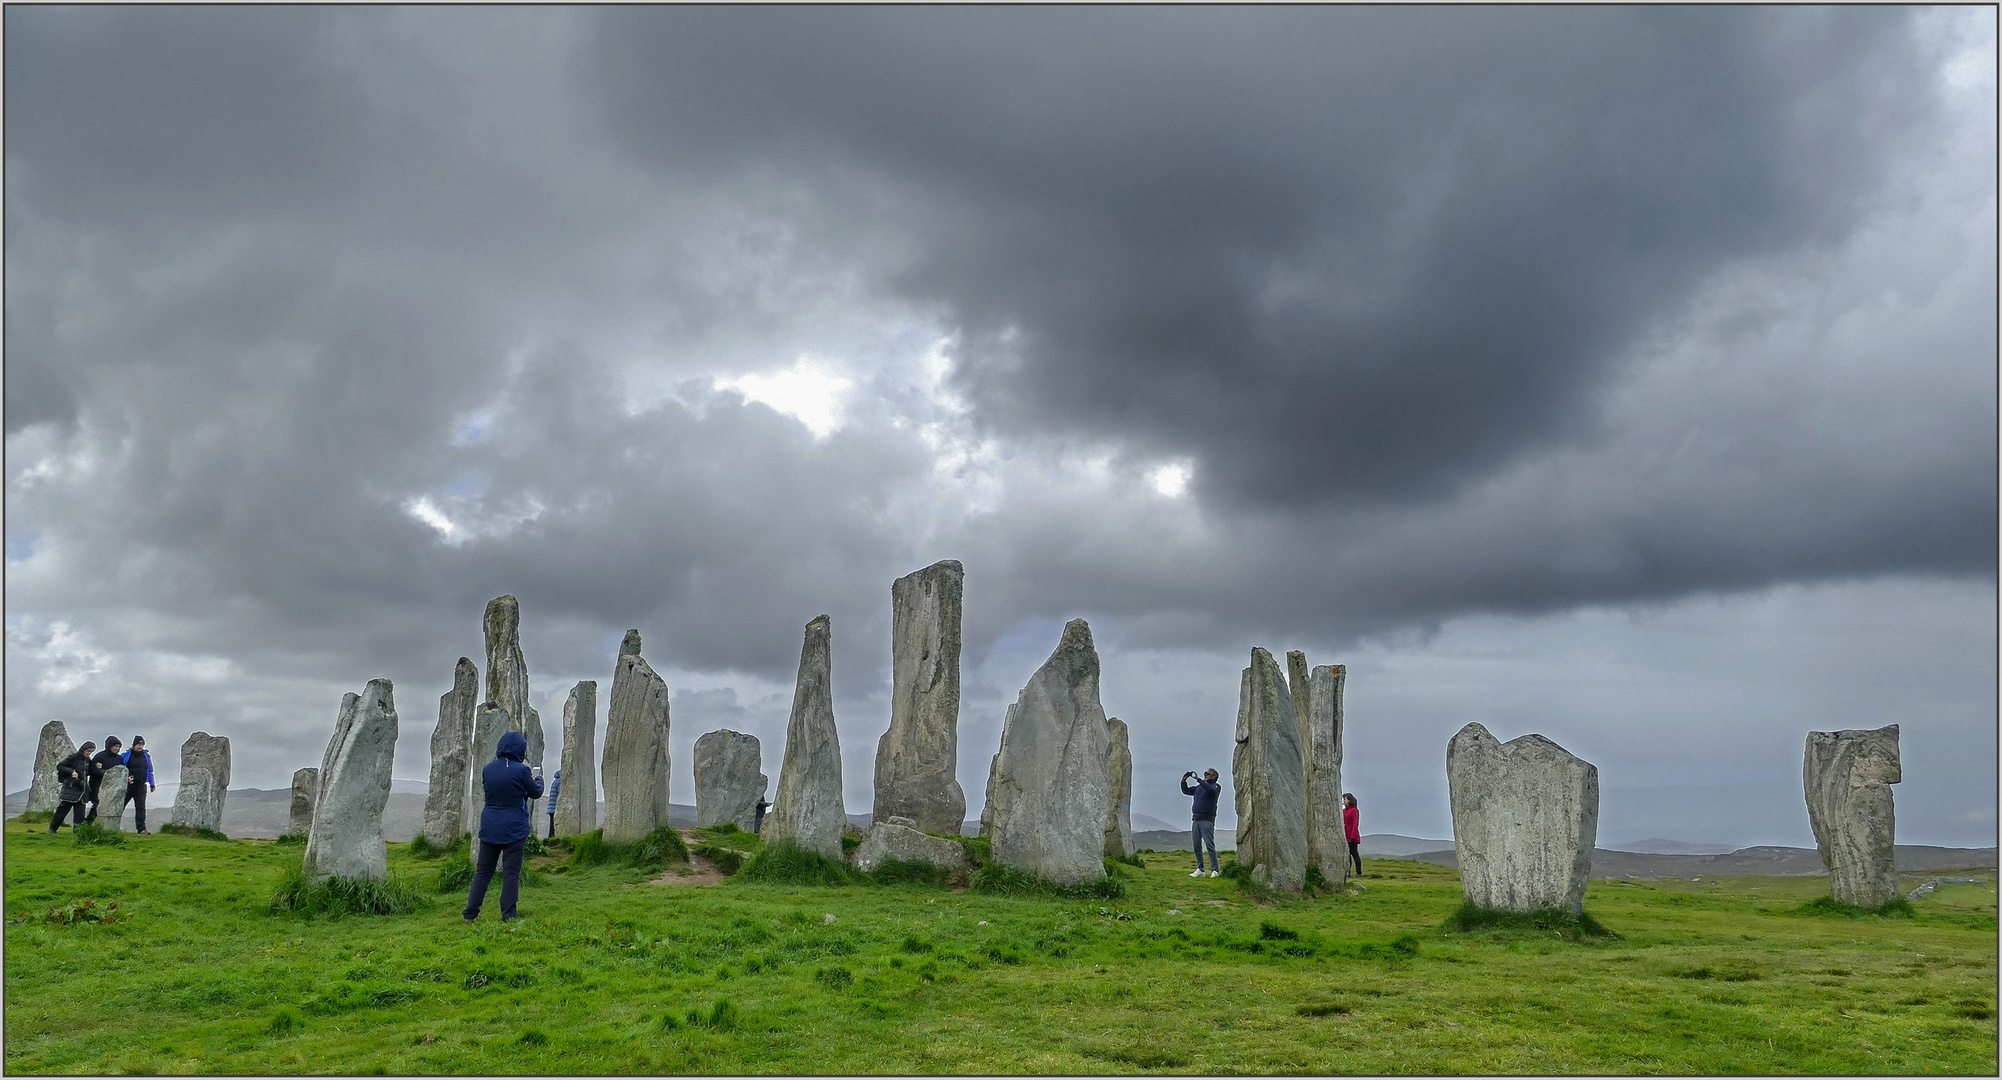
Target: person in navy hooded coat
504	824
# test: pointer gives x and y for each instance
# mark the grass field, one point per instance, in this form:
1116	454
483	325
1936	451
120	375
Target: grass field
610	973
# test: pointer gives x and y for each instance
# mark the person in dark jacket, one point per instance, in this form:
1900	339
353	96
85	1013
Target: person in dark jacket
138	780
1352	830
1202	825
105	759
758	822
73	772
555	789
504	824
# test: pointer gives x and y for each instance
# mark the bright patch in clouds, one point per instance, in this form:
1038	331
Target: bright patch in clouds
1172	479
812	391
426	511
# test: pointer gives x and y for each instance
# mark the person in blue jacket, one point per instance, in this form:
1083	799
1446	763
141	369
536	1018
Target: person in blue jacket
138	779
504	824
1202	824
555	789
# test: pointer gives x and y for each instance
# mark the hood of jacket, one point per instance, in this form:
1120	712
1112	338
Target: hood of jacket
513	746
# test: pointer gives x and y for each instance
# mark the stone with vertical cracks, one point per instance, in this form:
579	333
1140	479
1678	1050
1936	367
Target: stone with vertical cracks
728	783
346	838
507	674
305	788
1269	775
1048	791
1119	781
490	722
895	840
1848	777
577	796
204	782
917	760
451	757
1525	819
1327	840
55	745
808	810
635	761
112	797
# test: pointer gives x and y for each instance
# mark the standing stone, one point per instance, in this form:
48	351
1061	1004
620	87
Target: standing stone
1525	819
113	797
490	722
635	760
452	757
204	782
305	788
917	760
1327	841
44	788
577	798
808	810
1050	794
346	838
1270	778
728	784
987	800
507	677
1848	778
1119	781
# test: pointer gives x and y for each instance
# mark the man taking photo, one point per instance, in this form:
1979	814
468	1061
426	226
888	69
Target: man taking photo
1203	816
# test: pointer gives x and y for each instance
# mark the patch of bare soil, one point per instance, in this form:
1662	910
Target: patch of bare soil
699	871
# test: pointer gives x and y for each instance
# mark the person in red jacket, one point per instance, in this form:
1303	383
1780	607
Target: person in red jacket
1352	828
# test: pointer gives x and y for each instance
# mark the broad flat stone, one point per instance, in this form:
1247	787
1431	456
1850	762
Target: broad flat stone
577	798
635	761
1269	775
808	810
728	783
112	797
1848	777
1119	780
917	760
204	782
1525	819
451	756
55	745
1049	792
305	788
346	838
1327	842
890	840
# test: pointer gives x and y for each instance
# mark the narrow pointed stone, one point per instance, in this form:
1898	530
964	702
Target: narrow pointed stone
1050	794
204	782
452	756
346	837
1327	840
728	783
1525	819
1848	777
113	795
1119	780
44	790
305	788
808	810
507	672
635	763
577	797
917	760
1270	779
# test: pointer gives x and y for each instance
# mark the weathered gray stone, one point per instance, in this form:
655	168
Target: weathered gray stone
987	798
305	789
445	801
808	810
1525	819
54	746
635	762
917	760
1269	775
1327	843
345	840
577	798
490	722
1848	777
112	797
204	782
1119	782
893	840
507	672
728	783
1049	791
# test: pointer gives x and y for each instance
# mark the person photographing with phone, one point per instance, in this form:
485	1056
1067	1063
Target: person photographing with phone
1202	824
504	824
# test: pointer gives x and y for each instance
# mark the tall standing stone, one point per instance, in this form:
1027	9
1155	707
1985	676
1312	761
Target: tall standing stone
636	761
346	838
452	756
577	796
1327	839
305	789
917	760
490	722
728	783
507	674
1119	781
55	745
1848	776
808	810
113	796
1049	792
1525	819
1269	775
204	782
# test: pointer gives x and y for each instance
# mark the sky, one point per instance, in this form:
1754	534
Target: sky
1624	375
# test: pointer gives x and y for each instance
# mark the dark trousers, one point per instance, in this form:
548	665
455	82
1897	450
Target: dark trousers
137	793
1355	855
509	858
552	825
73	810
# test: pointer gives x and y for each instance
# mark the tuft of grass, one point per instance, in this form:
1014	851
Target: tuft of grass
285	1021
722	1016
534	1037
455	875
849	842
1130	860
650	852
1470	917
1317	882
1897	908
997	880
75	914
338	897
290	839
787	863
90	832
35	817
835	978
979	849
1323	1008
1274	932
175	828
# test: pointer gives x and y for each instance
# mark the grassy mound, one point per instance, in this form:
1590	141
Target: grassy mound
787	863
1896	908
337	897
650	852
1471	918
997	880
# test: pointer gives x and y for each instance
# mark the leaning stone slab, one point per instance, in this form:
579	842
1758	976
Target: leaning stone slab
917	760
1049	793
1269	775
728	783
577	798
1119	779
888	840
808	810
451	756
346	837
635	763
204	782
55	745
1327	841
305	788
1525	819
1848	779
113	795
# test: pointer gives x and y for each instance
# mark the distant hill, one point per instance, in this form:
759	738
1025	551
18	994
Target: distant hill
1655	845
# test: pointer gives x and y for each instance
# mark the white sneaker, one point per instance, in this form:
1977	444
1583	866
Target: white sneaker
1212	873
1198	872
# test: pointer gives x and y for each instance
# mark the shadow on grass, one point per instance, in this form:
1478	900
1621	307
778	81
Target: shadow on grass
1471	918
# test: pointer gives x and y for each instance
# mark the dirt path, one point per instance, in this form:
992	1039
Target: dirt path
699	871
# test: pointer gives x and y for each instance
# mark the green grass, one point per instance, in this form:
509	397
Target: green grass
1470	918
90	832
175	828
1895	908
337	897
790	864
608	972
654	851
